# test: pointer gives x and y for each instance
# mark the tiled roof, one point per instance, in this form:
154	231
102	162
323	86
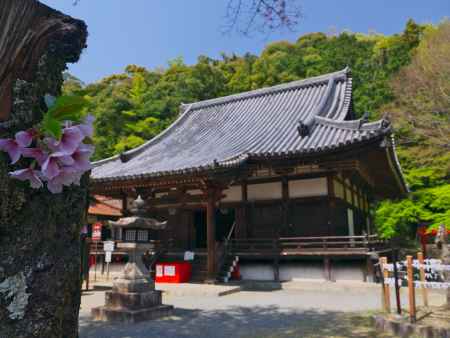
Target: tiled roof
301	117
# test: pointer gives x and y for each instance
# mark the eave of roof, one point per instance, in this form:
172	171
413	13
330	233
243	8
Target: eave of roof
104	206
242	159
320	104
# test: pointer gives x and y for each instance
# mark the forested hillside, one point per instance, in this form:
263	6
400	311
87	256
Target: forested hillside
406	74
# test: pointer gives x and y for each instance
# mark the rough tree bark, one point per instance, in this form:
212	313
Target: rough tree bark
39	232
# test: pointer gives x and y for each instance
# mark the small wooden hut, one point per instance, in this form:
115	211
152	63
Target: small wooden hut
275	174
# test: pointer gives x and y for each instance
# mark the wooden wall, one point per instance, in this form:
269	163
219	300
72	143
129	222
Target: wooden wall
281	206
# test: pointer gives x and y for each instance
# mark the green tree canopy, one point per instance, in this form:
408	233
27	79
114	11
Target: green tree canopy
136	105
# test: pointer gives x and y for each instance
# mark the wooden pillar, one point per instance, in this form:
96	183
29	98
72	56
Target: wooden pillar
385	287
124	204
331	205
422	279
241	225
245	217
211	233
276	269
411	290
327	268
370	277
285	203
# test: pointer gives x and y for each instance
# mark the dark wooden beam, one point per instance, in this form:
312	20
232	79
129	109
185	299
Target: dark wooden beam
211	234
124	203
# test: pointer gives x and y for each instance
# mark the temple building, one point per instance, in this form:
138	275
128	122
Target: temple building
277	177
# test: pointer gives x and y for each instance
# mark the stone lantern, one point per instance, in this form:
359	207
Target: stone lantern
139	224
133	297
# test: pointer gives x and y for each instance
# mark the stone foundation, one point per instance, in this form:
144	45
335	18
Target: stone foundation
132	299
405	330
131	316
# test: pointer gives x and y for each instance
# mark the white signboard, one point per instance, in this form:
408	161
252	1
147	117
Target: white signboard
159	271
169	270
108	246
188	256
108	256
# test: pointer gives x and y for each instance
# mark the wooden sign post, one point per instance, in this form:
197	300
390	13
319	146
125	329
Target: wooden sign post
386	295
411	291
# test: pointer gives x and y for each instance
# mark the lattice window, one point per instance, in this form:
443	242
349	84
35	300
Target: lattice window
142	236
130	235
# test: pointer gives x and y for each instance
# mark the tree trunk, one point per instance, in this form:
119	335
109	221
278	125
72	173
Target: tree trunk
39	232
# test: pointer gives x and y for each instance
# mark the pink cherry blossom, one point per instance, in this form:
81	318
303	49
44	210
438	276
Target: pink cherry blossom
66	177
37	153
59	163
81	157
67	160
87	128
29	174
24	138
51	167
70	140
13	149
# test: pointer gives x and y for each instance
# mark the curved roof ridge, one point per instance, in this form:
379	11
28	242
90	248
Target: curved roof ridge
126	156
348	96
359	124
344	74
329	78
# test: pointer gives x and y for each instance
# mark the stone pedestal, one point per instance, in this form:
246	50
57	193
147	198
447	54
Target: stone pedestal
132	299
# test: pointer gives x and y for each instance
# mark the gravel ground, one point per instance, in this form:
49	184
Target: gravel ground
282	313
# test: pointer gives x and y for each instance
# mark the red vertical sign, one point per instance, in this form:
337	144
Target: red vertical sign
97	232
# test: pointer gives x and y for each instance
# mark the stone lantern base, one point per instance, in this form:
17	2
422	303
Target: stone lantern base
132	299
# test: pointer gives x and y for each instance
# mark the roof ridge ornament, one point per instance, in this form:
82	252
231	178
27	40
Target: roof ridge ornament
303	128
363	120
124	158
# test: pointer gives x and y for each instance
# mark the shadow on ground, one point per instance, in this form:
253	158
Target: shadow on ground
242	322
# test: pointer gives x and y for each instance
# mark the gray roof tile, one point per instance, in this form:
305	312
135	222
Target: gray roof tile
226	132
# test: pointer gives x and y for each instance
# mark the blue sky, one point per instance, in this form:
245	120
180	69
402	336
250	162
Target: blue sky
152	32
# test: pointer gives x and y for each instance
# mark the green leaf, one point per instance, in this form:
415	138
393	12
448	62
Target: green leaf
52	126
68	108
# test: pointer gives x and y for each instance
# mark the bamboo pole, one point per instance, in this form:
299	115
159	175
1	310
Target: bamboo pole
411	291
422	279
